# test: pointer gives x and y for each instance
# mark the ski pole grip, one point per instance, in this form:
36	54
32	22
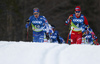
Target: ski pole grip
27	20
71	17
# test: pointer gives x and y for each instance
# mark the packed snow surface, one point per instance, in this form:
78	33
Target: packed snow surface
48	53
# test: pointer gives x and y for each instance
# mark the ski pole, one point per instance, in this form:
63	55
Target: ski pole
27	29
27	32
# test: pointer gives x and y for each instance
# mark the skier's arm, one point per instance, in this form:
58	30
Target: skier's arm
28	22
85	21
46	24
87	25
69	19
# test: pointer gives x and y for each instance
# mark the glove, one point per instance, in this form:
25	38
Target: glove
27	20
84	35
70	17
47	36
27	25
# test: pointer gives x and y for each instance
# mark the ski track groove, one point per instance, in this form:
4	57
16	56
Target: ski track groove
55	52
66	46
49	56
48	53
45	53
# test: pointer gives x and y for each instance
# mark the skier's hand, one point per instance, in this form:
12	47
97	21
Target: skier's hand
83	35
27	20
47	36
43	24
87	32
27	25
70	17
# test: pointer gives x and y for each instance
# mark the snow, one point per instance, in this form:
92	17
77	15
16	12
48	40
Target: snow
48	53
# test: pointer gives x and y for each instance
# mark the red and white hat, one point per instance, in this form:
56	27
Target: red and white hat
78	8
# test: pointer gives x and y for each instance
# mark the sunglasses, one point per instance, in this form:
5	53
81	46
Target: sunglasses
77	11
36	13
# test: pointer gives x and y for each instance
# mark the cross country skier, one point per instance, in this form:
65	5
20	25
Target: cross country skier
38	24
94	37
87	37
54	37
78	21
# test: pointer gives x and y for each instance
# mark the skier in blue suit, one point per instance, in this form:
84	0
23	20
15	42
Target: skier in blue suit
54	37
39	23
89	38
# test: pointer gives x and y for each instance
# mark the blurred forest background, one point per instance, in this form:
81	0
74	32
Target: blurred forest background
14	13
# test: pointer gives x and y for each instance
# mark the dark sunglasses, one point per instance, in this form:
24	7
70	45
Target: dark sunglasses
36	13
77	11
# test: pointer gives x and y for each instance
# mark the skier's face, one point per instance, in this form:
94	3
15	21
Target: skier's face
36	14
77	13
87	32
53	29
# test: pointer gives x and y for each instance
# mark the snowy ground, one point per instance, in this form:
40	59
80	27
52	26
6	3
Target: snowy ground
48	53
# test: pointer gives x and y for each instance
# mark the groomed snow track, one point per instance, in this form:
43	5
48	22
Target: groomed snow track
48	53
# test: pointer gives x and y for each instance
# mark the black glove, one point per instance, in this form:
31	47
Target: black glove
83	35
47	36
27	20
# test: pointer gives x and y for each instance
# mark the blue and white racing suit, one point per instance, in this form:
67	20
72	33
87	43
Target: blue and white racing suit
38	26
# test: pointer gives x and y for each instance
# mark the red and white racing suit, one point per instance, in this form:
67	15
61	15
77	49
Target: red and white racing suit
77	25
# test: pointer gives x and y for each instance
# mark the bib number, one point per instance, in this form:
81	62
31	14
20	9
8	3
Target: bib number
37	26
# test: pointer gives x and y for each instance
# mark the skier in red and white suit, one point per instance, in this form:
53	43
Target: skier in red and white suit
78	22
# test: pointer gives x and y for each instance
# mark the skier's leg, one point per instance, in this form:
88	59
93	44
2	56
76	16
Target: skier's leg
41	37
35	37
73	37
79	38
